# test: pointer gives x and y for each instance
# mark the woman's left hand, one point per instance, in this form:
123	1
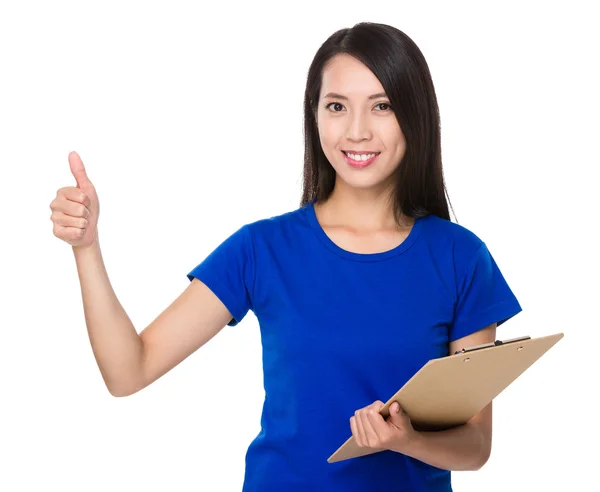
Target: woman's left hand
370	430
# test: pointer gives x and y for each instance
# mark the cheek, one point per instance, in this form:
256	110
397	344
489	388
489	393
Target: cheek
398	138
329	141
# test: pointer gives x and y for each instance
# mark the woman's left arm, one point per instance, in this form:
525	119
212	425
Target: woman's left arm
466	447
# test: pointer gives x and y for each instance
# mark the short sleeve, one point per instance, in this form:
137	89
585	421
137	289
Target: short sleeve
229	273
484	297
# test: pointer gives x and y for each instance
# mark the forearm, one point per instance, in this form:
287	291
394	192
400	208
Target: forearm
460	448
116	345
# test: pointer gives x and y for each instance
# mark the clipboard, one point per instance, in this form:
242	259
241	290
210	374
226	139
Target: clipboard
449	391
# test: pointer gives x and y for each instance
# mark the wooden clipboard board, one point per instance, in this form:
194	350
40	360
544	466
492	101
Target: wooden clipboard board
449	391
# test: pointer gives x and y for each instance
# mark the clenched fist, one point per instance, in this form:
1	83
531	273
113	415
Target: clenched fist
75	209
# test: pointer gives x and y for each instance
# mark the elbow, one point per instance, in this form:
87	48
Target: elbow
484	457
121	387
482	451
122	390
119	393
479	465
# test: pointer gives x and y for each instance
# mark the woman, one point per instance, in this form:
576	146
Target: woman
354	291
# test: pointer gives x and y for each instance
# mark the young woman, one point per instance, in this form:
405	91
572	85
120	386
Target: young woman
354	291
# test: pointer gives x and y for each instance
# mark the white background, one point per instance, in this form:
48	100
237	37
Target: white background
189	121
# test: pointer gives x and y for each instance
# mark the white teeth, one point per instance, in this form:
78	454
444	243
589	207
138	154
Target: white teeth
363	157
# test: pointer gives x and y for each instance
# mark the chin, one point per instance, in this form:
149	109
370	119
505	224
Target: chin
362	182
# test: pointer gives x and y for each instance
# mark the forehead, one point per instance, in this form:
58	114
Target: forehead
346	75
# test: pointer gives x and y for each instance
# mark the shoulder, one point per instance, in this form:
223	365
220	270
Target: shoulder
271	225
447	231
452	241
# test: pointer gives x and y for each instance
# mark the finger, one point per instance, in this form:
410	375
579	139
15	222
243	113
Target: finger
354	429
360	429
400	409
78	170
377	404
402	414
69	207
68	220
74	194
371	426
68	232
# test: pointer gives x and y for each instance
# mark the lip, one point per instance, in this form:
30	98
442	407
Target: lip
360	152
359	164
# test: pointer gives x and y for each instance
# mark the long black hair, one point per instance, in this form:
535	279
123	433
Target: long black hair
394	58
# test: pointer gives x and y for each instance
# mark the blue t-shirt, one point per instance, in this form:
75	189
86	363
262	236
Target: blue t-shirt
340	330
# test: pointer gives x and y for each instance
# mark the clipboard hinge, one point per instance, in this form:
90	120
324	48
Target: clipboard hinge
492	344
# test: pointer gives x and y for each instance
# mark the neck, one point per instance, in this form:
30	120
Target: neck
363	210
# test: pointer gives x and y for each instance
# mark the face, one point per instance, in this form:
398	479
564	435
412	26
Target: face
353	120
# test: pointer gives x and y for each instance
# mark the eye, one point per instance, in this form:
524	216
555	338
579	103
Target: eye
337	103
384	104
388	107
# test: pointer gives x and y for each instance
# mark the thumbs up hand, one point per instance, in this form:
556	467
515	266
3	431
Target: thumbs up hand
76	209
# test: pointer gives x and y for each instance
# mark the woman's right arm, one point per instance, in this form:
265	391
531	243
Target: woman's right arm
129	361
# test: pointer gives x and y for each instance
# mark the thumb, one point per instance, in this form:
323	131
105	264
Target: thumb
395	409
78	170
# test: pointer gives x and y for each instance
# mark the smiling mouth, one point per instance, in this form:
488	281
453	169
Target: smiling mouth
360	160
361	153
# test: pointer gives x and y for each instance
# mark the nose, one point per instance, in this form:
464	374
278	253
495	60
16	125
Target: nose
358	127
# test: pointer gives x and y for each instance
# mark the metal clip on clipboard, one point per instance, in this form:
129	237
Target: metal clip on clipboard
491	344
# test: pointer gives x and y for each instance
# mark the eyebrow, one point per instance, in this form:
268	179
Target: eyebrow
339	96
